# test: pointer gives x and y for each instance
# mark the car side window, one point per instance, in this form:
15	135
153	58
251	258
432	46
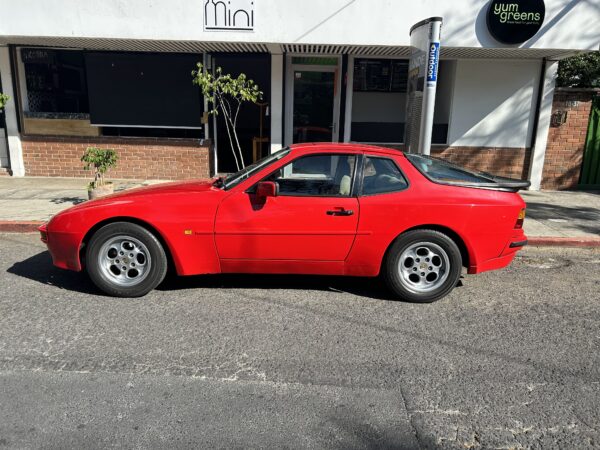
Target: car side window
316	175
382	175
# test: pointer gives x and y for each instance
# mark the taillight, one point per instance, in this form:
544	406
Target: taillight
520	219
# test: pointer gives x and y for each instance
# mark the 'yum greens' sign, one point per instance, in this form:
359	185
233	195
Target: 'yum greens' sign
515	21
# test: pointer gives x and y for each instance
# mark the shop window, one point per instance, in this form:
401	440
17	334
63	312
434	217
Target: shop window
379	101
55	81
143	90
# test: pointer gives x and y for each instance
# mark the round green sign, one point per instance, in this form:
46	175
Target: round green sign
515	21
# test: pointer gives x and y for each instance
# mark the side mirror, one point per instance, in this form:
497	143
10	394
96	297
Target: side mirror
267	189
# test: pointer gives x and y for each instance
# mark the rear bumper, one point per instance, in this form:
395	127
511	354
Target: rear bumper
518	244
63	247
517	241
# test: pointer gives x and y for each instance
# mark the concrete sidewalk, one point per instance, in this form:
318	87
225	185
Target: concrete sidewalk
553	217
35	199
562	213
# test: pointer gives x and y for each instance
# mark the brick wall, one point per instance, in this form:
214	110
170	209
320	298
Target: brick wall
502	161
564	152
139	158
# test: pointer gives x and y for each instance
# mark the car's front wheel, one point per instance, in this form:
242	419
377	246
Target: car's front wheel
422	266
125	260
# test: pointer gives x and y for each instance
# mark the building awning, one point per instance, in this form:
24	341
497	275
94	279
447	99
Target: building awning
137	45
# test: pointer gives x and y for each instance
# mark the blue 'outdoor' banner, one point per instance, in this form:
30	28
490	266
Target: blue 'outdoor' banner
432	62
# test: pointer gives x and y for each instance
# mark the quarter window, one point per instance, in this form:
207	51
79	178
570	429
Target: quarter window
381	175
316	175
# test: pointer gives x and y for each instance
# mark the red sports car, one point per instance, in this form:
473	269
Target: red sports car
333	209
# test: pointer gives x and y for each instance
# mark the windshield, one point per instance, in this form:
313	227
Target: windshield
440	170
234	179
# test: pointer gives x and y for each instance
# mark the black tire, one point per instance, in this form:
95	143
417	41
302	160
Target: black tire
151	268
399	276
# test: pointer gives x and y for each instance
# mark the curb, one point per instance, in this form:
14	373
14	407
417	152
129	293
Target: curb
589	242
19	226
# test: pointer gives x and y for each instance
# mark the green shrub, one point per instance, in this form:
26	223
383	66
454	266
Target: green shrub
99	160
580	71
3	99
225	95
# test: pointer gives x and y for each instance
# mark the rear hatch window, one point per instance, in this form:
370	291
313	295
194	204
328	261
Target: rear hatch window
443	172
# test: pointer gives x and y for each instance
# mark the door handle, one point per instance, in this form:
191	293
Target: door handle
340	212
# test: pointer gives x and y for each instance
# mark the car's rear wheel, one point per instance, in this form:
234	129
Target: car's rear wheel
422	266
125	260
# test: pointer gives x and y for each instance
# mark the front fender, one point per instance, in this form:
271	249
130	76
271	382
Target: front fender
186	232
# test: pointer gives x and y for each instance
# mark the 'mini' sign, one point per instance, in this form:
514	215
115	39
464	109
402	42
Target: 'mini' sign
229	15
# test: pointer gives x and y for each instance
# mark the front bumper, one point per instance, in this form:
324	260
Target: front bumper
63	247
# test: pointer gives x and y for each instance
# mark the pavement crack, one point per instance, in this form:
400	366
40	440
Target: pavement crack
410	418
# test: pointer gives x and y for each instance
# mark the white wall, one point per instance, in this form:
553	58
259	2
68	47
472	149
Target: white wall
493	103
15	150
569	24
3	149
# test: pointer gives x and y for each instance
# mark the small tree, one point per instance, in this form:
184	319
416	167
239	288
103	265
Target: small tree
226	94
580	71
3	100
99	160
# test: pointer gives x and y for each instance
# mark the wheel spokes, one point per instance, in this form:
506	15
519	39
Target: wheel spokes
423	266
124	260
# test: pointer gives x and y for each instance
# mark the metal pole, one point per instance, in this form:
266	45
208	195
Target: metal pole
433	56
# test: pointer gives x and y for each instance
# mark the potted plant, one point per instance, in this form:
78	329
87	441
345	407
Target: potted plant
99	160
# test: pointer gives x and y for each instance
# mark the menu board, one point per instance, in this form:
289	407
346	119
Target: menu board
380	75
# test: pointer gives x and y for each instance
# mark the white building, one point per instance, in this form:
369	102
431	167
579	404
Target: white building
116	74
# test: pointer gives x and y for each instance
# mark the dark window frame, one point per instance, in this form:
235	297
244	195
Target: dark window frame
355	177
393	161
491	181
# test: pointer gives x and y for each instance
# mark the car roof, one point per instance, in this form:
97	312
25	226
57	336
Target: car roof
341	146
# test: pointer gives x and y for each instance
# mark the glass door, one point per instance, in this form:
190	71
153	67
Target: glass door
313	119
312	113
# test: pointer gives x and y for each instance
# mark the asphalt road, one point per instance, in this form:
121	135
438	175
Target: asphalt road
511	359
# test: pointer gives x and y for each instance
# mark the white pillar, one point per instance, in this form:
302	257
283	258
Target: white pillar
538	152
15	149
276	105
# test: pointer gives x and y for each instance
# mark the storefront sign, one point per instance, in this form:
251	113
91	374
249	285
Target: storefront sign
515	21
422	83
38	56
229	15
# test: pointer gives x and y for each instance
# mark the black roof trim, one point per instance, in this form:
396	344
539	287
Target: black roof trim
423	22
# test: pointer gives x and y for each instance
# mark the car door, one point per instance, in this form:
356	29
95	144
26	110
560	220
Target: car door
313	218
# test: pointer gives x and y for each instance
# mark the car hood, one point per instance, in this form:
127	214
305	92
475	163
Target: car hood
165	188
149	192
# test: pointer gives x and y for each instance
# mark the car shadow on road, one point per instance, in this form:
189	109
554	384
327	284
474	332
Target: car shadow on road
39	268
363	287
